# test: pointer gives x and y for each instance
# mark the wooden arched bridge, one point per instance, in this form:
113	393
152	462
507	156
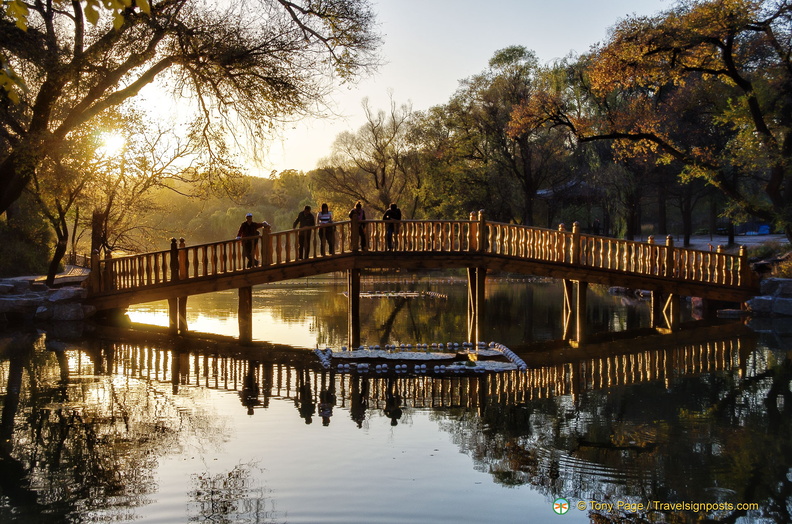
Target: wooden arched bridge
476	244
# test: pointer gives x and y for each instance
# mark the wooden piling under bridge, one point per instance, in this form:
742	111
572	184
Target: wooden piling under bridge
478	245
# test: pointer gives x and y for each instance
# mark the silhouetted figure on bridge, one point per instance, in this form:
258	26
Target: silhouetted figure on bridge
359	399
305	219
327	232
250	388
392	217
327	399
392	403
248	233
358	212
304	400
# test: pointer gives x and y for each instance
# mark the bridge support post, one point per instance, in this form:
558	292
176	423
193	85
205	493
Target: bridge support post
177	315
656	305
672	311
245	314
173	316
477	277
575	304
666	311
568	308
353	293
580	313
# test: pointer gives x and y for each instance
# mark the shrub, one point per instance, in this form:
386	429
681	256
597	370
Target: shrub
783	269
770	249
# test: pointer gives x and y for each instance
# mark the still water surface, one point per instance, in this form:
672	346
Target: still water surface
117	426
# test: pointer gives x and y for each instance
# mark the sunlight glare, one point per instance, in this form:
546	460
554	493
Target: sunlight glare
111	144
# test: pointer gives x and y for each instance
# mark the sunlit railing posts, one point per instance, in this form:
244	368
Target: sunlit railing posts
266	245
95	277
744	271
184	263
354	237
424	237
109	277
481	236
174	261
668	271
575	247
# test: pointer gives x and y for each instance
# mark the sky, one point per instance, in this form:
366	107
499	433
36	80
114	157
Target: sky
430	45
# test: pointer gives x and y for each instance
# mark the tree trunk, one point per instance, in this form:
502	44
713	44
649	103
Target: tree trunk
62	232
687	218
662	212
57	257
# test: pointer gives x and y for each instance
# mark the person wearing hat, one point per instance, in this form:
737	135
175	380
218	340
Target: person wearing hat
248	233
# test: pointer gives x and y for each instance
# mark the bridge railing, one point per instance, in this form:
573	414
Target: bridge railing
569	248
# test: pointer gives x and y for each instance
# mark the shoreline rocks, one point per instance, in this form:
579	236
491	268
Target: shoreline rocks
775	298
28	300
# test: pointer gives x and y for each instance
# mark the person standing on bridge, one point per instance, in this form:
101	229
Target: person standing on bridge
391	217
305	219
358	212
248	233
327	231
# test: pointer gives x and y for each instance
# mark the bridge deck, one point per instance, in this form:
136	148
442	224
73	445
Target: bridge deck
418	244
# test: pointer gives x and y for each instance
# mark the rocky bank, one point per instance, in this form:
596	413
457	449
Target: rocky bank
25	299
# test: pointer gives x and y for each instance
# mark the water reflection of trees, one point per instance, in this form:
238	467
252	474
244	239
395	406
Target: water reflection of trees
230	497
721	437
702	421
83	446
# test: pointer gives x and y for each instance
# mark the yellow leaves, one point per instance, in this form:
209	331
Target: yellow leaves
17	11
92	12
9	81
10	86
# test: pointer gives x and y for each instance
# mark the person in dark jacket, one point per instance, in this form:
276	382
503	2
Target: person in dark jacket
392	217
248	233
358	213
305	219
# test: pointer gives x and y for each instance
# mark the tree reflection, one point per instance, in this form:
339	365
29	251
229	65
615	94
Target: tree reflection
232	497
719	437
82	448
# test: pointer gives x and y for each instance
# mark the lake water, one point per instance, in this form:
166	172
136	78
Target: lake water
114	425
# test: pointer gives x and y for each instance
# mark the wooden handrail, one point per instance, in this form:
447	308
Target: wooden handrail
561	247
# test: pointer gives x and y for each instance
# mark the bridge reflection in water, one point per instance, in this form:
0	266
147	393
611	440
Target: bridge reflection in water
258	375
547	426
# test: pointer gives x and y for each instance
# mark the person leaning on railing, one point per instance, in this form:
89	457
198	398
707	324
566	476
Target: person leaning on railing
248	233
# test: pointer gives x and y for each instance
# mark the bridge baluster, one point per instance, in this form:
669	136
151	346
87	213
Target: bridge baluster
139	271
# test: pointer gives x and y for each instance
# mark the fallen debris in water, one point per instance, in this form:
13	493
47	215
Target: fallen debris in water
451	358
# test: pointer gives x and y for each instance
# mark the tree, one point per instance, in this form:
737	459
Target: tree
377	165
519	164
739	53
243	64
